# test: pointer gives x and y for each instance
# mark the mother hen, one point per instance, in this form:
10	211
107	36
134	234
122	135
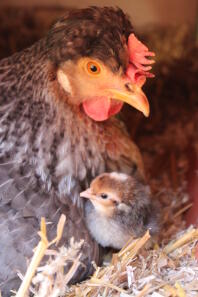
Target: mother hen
56	100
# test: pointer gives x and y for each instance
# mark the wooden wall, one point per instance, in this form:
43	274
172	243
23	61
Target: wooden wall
142	12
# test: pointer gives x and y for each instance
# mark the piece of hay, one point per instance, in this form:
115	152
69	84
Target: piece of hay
187	237
40	250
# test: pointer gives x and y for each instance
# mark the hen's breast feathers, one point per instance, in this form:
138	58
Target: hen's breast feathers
122	150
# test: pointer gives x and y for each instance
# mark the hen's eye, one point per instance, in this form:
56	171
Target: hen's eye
93	67
104	196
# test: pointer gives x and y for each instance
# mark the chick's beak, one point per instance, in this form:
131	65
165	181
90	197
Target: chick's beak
87	194
134	96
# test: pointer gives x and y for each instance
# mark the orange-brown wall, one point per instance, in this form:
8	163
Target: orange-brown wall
142	12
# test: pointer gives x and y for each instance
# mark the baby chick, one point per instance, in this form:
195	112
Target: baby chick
119	207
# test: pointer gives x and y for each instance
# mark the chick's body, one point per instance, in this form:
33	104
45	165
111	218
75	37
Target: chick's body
118	208
107	231
50	146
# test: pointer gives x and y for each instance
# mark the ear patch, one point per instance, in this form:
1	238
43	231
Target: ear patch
119	176
124	207
64	81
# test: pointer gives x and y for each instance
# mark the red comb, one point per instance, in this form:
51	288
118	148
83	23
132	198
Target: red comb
138	69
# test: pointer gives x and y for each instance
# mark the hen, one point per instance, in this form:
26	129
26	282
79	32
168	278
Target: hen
55	99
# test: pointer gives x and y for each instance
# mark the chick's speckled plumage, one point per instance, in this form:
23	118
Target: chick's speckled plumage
49	148
119	207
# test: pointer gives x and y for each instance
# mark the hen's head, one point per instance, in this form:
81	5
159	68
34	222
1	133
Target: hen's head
99	62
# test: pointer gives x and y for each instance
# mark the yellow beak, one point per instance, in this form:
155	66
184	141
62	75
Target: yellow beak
134	97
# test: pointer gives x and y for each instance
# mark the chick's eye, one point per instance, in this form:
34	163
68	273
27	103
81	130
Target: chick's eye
104	196
93	67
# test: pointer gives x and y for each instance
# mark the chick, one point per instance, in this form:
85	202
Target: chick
119	207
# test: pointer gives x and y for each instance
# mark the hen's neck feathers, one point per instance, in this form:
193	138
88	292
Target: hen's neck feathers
60	144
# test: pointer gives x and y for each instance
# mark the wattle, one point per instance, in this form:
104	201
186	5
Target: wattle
101	108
